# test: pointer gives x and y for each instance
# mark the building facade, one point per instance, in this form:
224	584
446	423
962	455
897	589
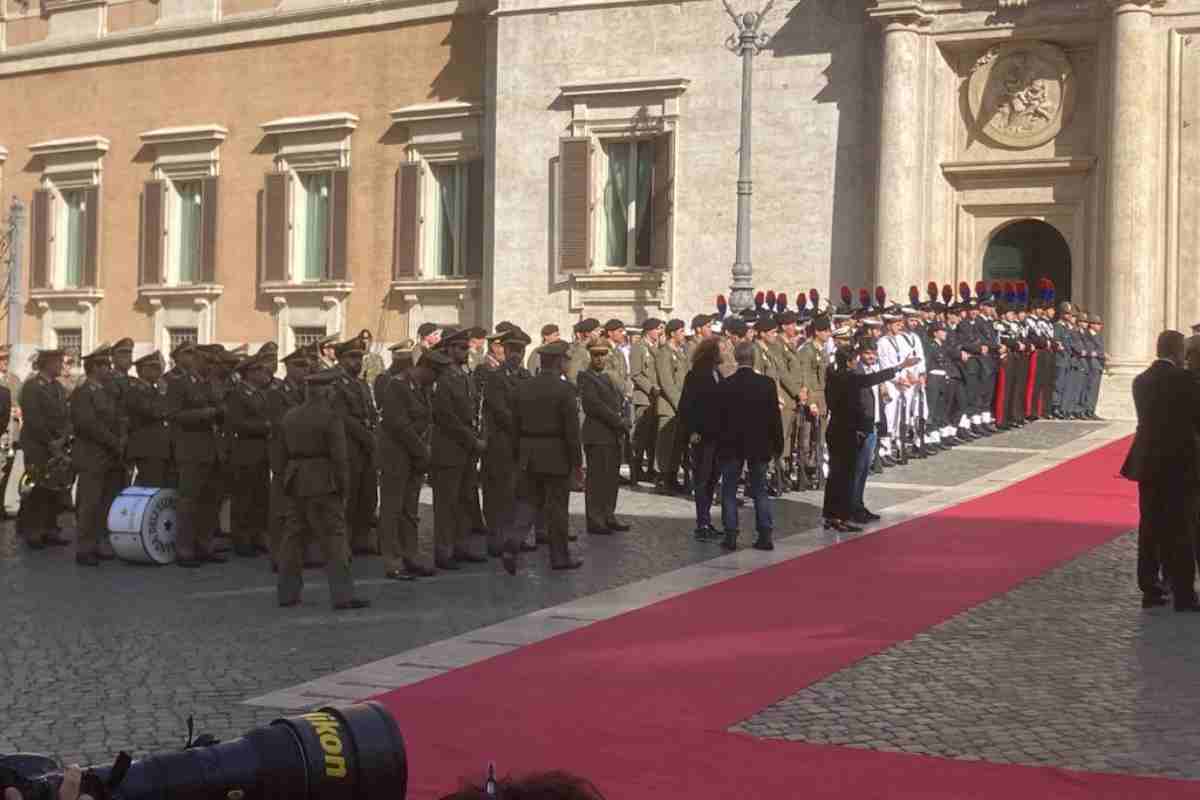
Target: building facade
244	170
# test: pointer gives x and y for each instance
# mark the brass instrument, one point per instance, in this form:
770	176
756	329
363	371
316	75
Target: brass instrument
57	475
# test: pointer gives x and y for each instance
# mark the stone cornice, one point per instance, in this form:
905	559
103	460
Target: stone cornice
96	145
905	12
625	86
431	112
199	134
960	172
342	121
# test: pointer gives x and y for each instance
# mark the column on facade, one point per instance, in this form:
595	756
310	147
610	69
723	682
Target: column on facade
900	259
1133	278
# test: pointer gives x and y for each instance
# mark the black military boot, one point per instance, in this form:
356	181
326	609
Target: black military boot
730	541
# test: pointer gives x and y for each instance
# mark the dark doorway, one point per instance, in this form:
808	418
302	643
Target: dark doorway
1028	251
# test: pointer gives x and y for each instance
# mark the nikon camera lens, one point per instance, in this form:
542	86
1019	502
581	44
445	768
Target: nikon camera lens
352	753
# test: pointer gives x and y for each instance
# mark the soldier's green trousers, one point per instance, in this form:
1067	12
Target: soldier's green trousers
322	518
400	489
603	480
549	494
96	493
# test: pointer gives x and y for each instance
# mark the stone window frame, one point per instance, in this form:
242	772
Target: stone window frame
68	164
447	132
623	109
304	145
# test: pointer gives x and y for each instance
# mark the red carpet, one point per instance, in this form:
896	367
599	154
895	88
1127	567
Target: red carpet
641	703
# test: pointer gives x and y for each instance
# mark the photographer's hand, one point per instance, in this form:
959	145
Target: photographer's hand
72	777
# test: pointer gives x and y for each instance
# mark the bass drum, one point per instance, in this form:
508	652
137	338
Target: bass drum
142	525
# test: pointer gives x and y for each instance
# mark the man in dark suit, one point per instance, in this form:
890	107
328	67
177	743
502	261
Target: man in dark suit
751	434
1163	461
604	431
549	456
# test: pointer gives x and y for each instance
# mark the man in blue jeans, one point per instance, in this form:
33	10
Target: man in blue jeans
751	435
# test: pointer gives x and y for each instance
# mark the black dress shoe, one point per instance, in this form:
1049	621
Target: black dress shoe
418	570
1153	600
190	563
572	537
571	563
87	560
399	575
288	603
470	558
730	541
620	527
706	533
528	548
447	564
352	604
599	531
887	461
763	542
861	519
494	552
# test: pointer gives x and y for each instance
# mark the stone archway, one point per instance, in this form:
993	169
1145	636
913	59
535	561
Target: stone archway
1029	250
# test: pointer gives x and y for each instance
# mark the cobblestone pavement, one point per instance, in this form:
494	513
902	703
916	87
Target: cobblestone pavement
1066	670
117	658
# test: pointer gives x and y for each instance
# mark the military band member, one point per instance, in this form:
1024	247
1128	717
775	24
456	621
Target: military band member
149	444
45	430
549	457
352	399
603	433
500	460
248	422
671	366
644	379
312	447
405	434
97	454
373	365
194	415
457	443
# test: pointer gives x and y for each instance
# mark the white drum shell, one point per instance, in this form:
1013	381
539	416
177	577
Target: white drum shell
142	524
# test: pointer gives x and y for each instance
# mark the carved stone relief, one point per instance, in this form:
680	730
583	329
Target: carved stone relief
1021	94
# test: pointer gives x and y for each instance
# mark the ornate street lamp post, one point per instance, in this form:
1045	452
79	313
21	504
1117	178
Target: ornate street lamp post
746	43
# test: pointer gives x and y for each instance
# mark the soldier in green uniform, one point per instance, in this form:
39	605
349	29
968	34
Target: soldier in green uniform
549	457
282	397
643	375
769	360
248	422
811	366
118	384
617	366
405	433
45	429
500	460
194	414
313	450
671	366
457	443
373	365
149	444
586	332
604	430
550	335
97	455
326	352
352	399
429	334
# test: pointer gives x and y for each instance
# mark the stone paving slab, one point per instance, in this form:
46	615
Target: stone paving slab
1066	670
138	649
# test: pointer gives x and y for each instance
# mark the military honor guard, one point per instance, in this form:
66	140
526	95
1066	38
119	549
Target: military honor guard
45	431
194	414
98	454
148	448
604	431
352	399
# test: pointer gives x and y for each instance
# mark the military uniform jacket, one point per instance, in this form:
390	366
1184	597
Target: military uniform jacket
500	393
602	423
118	387
577	361
672	367
95	419
618	372
146	410
643	372
406	429
546	414
44	417
352	399
970	337
381	381
789	375
312	447
190	402
248	424
453	402
811	371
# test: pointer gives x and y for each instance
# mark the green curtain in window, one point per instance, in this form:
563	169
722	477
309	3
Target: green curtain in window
316	222
446	176
644	203
76	243
616	201
189	231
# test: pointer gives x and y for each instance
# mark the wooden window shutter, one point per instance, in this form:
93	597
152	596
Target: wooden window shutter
474	231
406	224
275	226
42	223
575	192
209	210
339	225
153	230
662	200
91	253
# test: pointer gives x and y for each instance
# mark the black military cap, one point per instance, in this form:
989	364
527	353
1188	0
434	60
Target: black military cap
935	326
650	324
516	336
102	351
403	351
268	349
427	328
675	325
324	377
452	336
251	362
477	333
349	348
300	355
822	323
735	326
122	345
614	325
787	318
150	358
700	320
587	325
559	348
765	324
549	329
434	359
